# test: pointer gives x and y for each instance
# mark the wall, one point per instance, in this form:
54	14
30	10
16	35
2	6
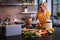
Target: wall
10	11
14	11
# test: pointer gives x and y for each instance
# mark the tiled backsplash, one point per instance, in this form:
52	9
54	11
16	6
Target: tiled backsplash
9	11
14	11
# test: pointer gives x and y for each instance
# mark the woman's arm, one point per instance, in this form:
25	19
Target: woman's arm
37	19
37	15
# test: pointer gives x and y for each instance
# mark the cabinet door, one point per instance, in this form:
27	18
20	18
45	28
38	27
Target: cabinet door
2	30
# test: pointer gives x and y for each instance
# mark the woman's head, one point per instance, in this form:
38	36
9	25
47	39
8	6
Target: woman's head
42	6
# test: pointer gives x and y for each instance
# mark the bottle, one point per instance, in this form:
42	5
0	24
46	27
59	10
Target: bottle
25	9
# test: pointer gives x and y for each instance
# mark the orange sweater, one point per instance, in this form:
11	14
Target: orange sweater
41	18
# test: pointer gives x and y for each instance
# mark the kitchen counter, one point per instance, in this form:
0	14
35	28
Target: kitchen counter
55	36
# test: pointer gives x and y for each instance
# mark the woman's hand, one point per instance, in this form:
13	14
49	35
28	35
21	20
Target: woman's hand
39	22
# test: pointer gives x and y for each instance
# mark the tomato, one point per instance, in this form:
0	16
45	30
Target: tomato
43	30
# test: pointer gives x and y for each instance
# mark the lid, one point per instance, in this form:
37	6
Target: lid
48	21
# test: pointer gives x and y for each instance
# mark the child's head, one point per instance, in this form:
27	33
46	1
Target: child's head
29	20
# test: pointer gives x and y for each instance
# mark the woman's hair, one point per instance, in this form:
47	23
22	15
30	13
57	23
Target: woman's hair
44	4
40	4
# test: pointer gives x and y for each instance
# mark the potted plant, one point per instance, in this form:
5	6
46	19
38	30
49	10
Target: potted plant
58	14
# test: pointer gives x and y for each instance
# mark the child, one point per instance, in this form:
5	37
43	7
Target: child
28	24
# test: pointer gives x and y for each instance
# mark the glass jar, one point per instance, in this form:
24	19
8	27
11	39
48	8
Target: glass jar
48	24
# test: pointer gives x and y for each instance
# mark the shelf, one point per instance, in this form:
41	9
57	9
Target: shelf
28	12
31	4
11	4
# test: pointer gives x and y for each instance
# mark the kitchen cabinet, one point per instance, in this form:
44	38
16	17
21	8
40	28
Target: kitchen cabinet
12	30
2	32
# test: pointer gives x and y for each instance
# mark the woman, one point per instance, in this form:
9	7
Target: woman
42	15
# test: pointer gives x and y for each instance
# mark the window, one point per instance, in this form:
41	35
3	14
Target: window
56	1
